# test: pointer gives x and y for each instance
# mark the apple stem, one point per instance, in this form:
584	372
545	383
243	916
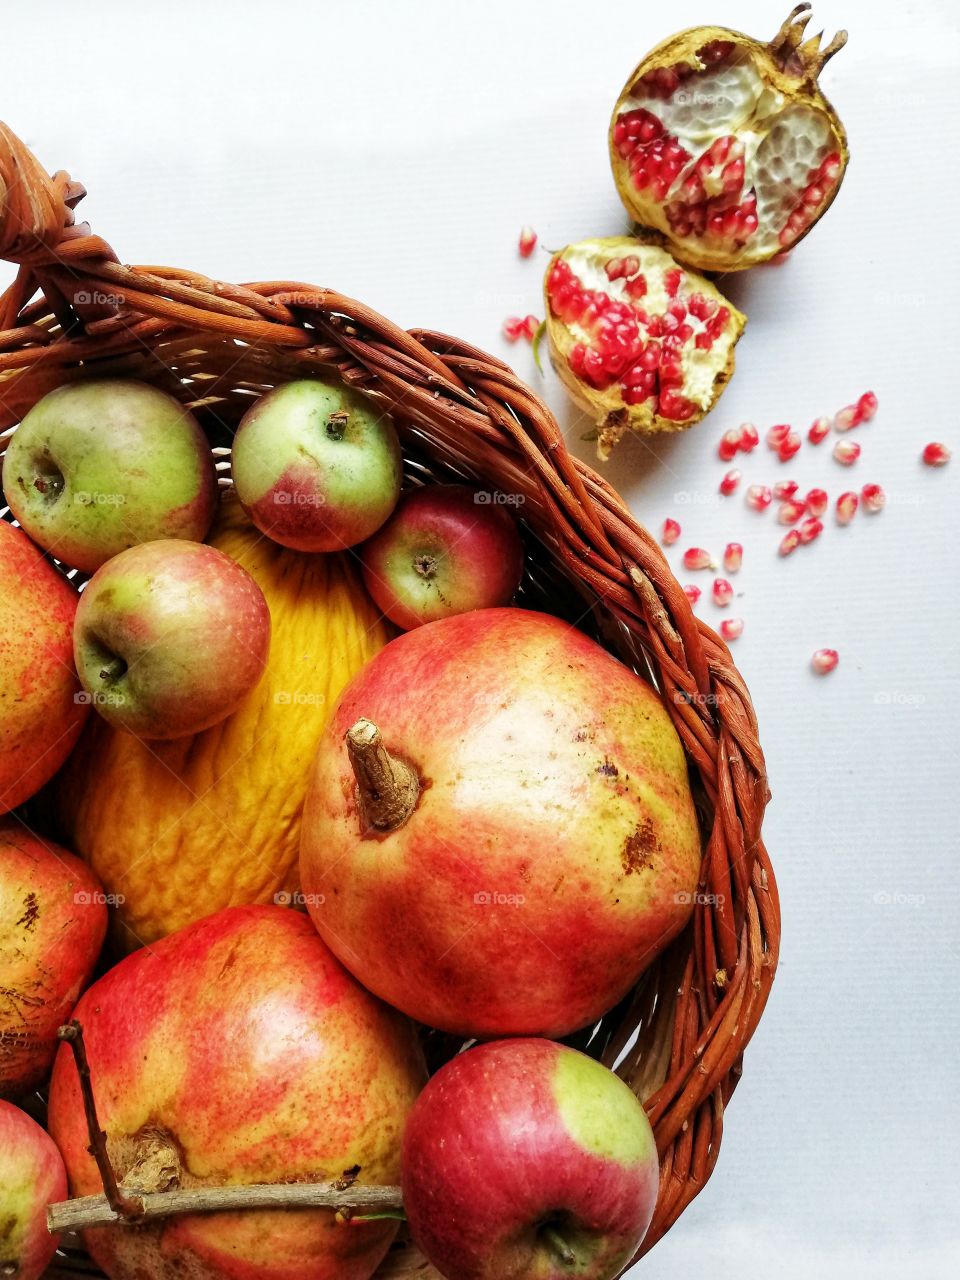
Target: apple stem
559	1246
387	788
337	424
113	669
127	1207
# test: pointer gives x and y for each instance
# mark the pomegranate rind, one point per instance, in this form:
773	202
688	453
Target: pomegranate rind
793	77
706	372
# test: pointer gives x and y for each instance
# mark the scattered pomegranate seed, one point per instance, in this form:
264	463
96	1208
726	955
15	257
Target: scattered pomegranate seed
936	454
733	557
691	592
874	499
819	430
846	418
789	446
759	497
729	445
784	489
824	661
530	326
722	592
776	435
847	505
731	628
866	406
816	501
670	532
810	529
846	452
749	437
790	512
790	542
697	558
730	481
528	241
513	328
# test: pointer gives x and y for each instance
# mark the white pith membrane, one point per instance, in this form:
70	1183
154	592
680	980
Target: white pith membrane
703	369
784	149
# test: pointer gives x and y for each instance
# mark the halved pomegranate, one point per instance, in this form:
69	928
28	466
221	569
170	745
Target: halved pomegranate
638	341
726	145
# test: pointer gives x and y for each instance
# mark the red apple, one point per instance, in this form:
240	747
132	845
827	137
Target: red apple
525	1160
499	834
40	714
53	918
31	1177
102	465
317	465
239	1050
170	637
445	550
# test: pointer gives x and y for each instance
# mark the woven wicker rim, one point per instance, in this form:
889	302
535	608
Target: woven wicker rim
74	310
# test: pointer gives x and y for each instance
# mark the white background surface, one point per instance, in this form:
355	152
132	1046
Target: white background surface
393	151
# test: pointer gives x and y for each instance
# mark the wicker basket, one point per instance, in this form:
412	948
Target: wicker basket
74	311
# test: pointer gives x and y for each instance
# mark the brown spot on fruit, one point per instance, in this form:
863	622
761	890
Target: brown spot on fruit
31	911
639	848
608	769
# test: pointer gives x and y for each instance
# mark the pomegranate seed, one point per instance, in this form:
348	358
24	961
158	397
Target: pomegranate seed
866	406
697	558
670	532
729	445
513	327
749	437
776	435
730	481
847	505
936	454
731	628
784	489
733	557
722	592
810	529
759	497
789	446
790	512
816	501
692	593
528	241
874	499
846	452
790	542
824	661
846	418
530	326
819	430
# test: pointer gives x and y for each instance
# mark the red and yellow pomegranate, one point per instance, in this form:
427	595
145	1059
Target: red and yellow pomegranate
726	145
639	342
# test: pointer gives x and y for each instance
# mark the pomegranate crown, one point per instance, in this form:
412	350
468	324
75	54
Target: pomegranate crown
804	59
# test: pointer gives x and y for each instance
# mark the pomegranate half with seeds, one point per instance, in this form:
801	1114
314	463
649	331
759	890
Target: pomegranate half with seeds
639	342
726	145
